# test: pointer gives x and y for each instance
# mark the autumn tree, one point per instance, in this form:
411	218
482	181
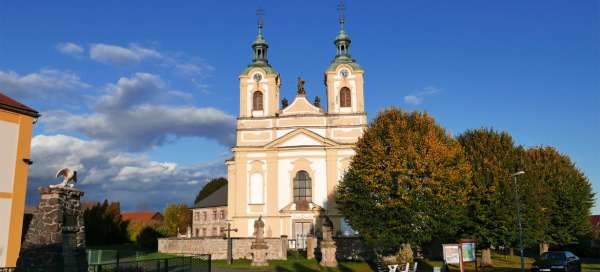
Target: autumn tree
568	195
177	218
407	182
493	157
210	187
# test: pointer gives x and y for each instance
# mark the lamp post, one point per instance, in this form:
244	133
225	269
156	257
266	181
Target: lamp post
229	242
515	175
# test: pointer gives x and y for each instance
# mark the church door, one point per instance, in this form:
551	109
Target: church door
301	231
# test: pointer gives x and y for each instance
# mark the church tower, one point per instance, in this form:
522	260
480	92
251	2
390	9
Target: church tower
344	76
259	82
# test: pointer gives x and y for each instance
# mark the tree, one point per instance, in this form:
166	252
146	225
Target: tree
177	218
210	187
407	182
103	224
570	197
493	157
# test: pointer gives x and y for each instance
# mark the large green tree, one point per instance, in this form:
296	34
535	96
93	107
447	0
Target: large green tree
407	182
210	187
493	157
568	195
103	224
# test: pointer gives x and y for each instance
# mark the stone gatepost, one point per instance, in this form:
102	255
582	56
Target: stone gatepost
310	247
327	245
284	246
259	247
56	235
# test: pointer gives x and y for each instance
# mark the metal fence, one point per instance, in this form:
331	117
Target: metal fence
191	263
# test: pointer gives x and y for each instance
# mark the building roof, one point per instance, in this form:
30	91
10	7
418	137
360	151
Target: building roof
10	104
216	199
141	216
595	220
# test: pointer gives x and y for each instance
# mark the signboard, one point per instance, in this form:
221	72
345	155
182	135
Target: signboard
451	253
468	252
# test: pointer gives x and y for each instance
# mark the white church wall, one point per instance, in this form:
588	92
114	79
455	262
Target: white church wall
285	184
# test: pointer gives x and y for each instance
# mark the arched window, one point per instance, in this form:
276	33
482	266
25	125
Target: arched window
302	187
345	97
257	101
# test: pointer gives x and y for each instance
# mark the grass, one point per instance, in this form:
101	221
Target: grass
591	265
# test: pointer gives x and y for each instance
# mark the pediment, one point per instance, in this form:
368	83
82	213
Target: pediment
301	137
301	105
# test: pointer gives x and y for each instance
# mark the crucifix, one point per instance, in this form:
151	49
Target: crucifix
229	242
341	8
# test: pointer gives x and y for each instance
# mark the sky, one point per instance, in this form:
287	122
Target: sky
141	97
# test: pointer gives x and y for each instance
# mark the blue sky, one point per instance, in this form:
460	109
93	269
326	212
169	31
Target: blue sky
141	96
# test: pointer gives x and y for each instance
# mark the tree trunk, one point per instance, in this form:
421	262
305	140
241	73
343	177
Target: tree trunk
543	248
511	251
486	257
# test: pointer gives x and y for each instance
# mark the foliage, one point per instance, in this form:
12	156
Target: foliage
493	157
407	182
568	195
177	218
210	187
148	238
103	224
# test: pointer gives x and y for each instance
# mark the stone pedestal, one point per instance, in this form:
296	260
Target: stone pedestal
259	253
328	250
56	236
310	247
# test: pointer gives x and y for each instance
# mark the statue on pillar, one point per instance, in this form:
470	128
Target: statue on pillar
259	247
300	86
328	247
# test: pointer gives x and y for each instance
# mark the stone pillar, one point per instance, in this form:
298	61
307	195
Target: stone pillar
284	246
327	245
56	235
310	247
259	247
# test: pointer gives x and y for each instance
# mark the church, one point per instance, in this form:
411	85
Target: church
289	156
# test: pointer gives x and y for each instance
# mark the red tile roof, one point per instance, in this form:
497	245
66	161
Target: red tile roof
10	104
595	219
141	216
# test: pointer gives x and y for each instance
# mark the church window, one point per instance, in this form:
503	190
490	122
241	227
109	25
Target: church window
302	187
256	189
345	97
257	101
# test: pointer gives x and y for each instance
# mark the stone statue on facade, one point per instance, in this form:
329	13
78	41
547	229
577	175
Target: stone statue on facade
69	178
327	245
300	86
284	103
259	247
317	102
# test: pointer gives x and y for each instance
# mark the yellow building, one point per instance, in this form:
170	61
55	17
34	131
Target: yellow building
289	158
16	121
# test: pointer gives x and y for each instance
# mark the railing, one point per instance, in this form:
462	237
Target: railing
193	263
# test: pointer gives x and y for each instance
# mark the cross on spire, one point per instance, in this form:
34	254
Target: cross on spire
341	8
260	13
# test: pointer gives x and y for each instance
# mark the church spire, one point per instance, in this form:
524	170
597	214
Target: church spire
342	41
260	46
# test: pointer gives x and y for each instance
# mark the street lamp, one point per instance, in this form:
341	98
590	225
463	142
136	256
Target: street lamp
515	175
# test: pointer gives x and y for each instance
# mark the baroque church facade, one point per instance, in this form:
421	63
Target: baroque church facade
289	157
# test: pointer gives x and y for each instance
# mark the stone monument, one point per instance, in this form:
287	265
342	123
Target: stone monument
310	247
327	245
259	247
55	240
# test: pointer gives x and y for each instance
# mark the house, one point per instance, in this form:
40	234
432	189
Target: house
16	122
209	214
143	217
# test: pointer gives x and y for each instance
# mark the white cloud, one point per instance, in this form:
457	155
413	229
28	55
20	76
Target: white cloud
120	56
40	85
70	49
103	172
418	97
131	116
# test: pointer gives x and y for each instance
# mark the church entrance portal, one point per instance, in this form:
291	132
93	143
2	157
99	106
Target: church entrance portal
301	231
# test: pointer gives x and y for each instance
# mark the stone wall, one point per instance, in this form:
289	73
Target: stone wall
56	235
217	247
